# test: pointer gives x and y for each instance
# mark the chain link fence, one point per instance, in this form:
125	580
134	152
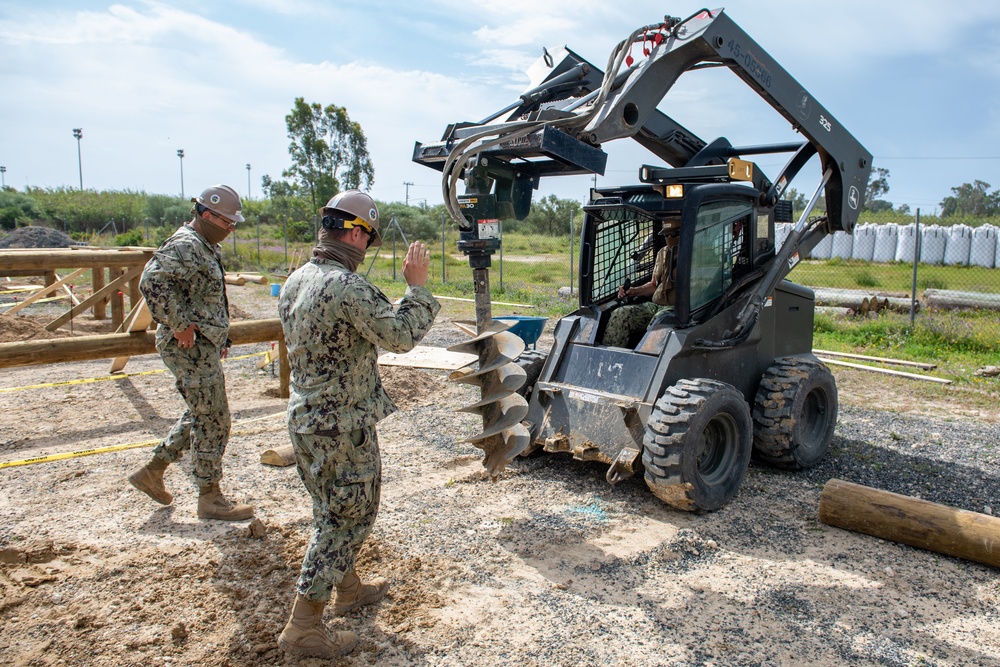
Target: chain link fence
938	272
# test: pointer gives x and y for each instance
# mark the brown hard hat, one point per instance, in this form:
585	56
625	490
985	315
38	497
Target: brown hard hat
358	205
223	200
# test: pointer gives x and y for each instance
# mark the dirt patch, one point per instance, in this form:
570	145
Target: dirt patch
546	566
14	328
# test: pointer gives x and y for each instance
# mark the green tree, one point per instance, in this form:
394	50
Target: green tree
971	199
550	215
329	151
17	209
878	185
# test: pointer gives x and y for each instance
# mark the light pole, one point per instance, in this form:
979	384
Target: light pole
180	154
248	180
3	181
407	184
78	133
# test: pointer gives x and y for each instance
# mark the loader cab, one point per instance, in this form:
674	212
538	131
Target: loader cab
721	233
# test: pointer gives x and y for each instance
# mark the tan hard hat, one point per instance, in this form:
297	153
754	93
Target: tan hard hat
223	200
354	204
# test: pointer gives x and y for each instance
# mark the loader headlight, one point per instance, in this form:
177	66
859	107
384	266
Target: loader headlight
675	191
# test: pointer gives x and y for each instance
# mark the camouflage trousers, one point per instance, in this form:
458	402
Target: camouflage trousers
628	323
343	474
204	426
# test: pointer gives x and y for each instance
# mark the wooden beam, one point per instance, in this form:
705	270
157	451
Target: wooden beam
897	362
106	346
45	290
885	371
912	521
97	284
284	370
98	295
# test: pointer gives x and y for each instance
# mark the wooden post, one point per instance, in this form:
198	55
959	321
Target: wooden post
97	282
117	299
284	371
50	277
912	521
134	295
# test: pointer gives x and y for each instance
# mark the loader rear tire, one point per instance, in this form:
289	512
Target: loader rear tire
697	445
795	413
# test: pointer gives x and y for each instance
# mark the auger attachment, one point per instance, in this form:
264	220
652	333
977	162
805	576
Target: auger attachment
502	408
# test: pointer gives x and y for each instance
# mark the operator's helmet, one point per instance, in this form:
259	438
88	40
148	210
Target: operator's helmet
353	208
223	200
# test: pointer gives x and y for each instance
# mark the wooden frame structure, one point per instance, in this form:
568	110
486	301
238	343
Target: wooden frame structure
114	273
111	346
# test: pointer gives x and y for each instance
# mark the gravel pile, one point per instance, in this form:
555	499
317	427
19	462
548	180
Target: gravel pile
36	237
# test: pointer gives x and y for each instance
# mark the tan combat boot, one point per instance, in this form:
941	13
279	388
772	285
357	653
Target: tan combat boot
213	505
351	593
149	480
306	635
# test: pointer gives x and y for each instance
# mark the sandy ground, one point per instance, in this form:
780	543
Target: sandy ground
549	565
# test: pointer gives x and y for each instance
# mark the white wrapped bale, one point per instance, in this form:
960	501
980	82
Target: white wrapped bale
864	242
886	238
823	248
932	243
843	244
906	243
958	246
984	247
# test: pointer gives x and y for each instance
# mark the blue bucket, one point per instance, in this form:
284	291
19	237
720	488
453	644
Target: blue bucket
526	327
275	289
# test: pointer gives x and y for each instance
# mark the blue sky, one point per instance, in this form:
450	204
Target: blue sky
916	82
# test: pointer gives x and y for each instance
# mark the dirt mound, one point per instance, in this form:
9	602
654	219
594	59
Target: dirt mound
14	328
413	387
36	237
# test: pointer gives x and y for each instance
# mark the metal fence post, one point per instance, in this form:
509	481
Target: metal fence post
572	221
916	258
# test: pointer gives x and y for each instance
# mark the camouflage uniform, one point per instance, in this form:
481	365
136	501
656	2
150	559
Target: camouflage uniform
184	283
334	321
627	323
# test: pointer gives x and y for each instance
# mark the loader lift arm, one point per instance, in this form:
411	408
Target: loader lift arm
558	126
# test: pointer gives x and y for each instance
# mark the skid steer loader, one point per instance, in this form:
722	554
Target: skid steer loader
723	371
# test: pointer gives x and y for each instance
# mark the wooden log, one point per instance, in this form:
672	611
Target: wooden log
234	279
279	456
41	260
253	278
106	346
918	523
951	299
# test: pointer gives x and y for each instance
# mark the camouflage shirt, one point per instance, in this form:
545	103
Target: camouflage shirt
184	284
334	321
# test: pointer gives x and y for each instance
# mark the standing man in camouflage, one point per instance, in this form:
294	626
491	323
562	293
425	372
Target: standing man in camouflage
184	286
334	321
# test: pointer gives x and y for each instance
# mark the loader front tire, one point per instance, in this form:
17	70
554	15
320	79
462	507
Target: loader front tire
697	445
795	413
531	361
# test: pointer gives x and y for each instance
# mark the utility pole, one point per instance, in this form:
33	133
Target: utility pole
78	133
248	180
407	184
3	181
180	154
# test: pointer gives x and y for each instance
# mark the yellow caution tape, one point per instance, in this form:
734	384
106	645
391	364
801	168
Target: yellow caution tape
117	376
104	450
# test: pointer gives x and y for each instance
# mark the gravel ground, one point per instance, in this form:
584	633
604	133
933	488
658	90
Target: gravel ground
549	565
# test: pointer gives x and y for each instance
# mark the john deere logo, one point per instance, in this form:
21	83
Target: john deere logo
214	199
